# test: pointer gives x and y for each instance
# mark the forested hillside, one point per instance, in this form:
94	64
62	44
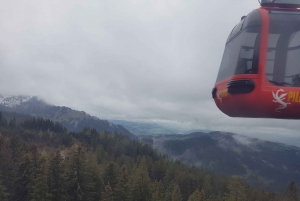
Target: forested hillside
264	164
42	161
73	120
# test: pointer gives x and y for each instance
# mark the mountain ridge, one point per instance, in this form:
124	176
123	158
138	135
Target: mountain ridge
145	128
73	120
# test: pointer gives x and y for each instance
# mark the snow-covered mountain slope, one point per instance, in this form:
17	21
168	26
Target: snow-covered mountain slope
13	101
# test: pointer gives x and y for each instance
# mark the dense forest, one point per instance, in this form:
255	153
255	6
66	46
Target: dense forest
41	161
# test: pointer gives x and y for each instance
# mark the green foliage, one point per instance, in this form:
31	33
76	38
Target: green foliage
80	185
196	196
121	189
110	175
176	194
42	124
41	188
107	195
237	191
141	190
56	177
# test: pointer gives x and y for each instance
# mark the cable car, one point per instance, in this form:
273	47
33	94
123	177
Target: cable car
259	76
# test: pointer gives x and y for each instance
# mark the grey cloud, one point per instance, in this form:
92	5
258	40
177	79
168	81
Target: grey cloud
133	59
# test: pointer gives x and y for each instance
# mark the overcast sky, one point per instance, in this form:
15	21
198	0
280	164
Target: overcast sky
137	60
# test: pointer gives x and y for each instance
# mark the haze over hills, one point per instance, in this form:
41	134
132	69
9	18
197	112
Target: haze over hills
146	128
262	163
142	128
73	120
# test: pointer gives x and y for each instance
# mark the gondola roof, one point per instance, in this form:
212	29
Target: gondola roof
281	3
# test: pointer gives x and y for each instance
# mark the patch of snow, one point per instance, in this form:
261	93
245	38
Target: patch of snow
13	101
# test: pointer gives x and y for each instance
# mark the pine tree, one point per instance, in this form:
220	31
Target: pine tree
7	163
24	179
207	184
202	193
107	195
41	189
56	177
111	175
157	191
291	191
196	196
121	190
4	195
237	191
24	172
176	194
79	183
141	190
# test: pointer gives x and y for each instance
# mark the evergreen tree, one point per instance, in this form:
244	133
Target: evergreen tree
157	191
24	179
196	196
4	195
107	195
7	163
237	191
176	194
121	190
202	193
111	175
141	183
56	177
41	189
79	184
207	184
291	191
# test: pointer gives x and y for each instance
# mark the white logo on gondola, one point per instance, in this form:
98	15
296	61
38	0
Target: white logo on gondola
280	99
218	96
222	94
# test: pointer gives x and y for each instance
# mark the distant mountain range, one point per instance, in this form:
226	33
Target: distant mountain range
143	129
73	120
262	163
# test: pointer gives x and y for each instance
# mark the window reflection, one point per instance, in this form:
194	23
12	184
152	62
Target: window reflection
283	56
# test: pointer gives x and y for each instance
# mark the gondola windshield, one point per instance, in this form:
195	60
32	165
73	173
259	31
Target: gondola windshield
242	48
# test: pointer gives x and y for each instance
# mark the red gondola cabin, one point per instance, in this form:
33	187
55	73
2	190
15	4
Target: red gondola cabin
259	74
